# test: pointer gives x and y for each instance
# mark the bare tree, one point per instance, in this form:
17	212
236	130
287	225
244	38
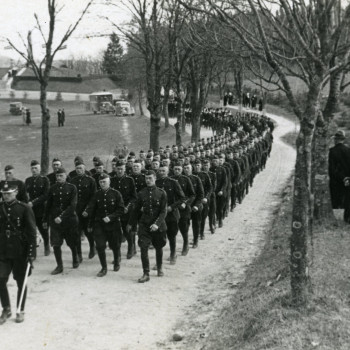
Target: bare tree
43	68
304	41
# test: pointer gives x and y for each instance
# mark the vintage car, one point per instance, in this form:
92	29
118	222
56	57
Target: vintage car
123	108
97	99
16	108
107	107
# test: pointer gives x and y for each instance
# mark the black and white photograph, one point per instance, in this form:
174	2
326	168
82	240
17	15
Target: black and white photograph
175	174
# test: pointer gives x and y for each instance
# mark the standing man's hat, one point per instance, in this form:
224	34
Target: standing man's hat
61	171
340	134
34	163
103	176
9	167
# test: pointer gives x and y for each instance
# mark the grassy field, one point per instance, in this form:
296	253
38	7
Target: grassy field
84	134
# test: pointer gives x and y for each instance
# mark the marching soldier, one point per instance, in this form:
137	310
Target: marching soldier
99	169
150	207
105	211
126	186
175	197
56	164
17	247
86	188
37	187
73	173
60	214
185	207
138	176
197	206
221	185
207	187
212	197
11	180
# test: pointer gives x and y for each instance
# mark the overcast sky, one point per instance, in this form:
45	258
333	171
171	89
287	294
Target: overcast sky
17	17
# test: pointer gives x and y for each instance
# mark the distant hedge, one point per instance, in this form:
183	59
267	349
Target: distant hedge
62	79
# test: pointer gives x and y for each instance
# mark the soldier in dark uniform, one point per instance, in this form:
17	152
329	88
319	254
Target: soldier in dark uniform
126	186
37	187
99	169
62	218
105	211
96	160
73	173
150	212
175	197
212	197
86	188
221	185
56	164
138	176
11	180
17	247
207	187
339	173
197	206
185	208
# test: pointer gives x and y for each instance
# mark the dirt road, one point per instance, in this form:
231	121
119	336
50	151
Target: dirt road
80	311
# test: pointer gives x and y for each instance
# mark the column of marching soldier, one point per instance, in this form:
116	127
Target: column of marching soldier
154	196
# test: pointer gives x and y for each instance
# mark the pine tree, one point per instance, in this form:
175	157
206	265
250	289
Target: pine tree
113	56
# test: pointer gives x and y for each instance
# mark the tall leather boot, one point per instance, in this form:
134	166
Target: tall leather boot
103	261
116	253
58	256
145	265
159	260
185	248
172	244
75	257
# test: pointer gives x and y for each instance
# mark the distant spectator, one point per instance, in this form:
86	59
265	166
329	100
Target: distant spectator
225	99
28	117
254	99
260	104
24	116
63	116
59	118
230	98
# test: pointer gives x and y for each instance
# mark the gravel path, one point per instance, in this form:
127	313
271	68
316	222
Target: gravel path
80	311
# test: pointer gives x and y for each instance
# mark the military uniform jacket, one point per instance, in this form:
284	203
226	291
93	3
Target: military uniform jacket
175	196
74	174
150	208
61	202
38	189
140	181
126	186
237	173
212	176
86	188
17	230
52	178
22	194
206	182
198	189
107	203
221	179
189	193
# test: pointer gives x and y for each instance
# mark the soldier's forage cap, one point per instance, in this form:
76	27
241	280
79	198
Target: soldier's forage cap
197	161
120	156
206	161
61	171
34	162
137	161
178	164
56	160
150	150
8	188
148	156
216	157
95	159
119	163
167	147
99	163
79	162
142	151
103	176
130	158
78	158
340	135
132	154
150	172
114	160
9	167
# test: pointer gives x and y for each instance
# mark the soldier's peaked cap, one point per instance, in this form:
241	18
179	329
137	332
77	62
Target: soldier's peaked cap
9	167
103	176
8	188
61	171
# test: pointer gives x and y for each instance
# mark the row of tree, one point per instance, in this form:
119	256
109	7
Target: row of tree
185	45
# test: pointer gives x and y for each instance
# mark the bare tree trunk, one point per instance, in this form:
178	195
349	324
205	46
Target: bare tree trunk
165	109
196	126
300	220
140	98
154	132
180	116
45	125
